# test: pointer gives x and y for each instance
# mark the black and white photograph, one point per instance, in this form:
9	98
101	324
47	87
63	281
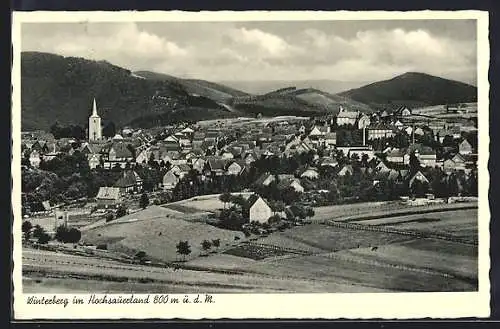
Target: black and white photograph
251	156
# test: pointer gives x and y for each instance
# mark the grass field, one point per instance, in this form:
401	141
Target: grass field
460	223
366	274
156	235
200	203
317	238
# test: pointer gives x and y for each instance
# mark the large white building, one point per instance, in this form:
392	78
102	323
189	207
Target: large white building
95	129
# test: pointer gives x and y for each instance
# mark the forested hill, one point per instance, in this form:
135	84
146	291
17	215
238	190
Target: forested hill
413	88
57	88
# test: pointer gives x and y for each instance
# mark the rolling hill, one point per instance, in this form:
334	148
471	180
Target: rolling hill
259	87
212	90
293	101
56	88
414	90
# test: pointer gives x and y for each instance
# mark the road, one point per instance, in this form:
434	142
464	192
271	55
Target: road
54	264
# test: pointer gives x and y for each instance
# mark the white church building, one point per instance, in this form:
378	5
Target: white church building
95	128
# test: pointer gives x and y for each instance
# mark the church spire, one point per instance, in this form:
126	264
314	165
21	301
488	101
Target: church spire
94	109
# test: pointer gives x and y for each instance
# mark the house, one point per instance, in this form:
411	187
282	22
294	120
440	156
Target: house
328	161
180	170
35	159
199	164
290	182
347	169
108	196
395	156
382	167
465	147
403	111
345	117
170	180
94	160
457	162
129	182
236	168
331	139
143	157
215	167
426	155
398	124
363	121
265	179
311	173
418	176
259	209
379	131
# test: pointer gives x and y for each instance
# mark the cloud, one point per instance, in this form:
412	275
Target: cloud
256	51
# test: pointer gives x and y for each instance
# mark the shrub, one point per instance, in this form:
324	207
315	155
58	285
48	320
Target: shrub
44	238
121	211
26	227
63	234
38	231
109	217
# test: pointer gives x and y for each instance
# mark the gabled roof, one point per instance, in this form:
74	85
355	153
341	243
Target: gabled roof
129	178
348	114
108	193
122	150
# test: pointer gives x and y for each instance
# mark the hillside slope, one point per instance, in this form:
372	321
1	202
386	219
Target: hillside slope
413	89
212	90
56	88
293	101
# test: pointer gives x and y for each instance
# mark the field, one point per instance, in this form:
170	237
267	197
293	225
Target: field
321	238
310	258
156	234
460	223
202	203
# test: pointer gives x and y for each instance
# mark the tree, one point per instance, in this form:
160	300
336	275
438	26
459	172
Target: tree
183	249
216	243
44	238
26	228
74	235
225	198
121	211
206	245
61	232
109	217
414	164
144	202
38	231
109	130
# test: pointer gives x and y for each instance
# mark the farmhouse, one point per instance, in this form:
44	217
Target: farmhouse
129	182
236	168
108	196
259	209
170	180
465	147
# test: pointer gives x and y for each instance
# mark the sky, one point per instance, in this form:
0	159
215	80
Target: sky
255	51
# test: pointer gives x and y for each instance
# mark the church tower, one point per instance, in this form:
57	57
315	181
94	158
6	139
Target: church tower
95	130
